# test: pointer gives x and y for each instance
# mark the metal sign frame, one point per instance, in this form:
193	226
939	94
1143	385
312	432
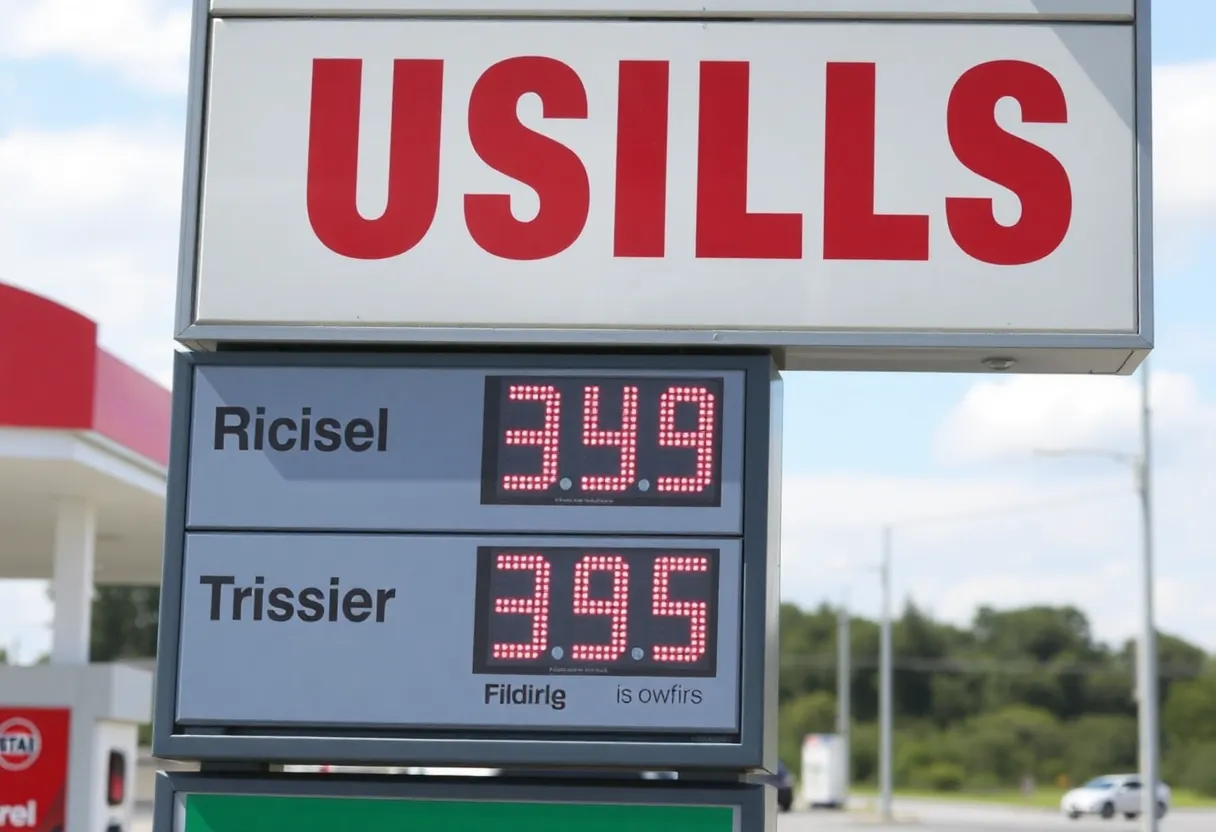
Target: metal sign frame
808	349
753	747
754	804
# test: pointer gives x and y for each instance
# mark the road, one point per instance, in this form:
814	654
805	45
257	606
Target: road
933	816
926	816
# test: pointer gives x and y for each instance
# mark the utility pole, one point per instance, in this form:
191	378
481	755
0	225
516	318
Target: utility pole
885	683
844	691
1147	652
1147	701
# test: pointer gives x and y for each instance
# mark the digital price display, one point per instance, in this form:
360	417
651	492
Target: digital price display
467	448
606	611
503	559
608	441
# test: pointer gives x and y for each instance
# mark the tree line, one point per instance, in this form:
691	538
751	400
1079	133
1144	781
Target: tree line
1019	692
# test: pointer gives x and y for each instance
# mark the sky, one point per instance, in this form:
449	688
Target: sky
91	128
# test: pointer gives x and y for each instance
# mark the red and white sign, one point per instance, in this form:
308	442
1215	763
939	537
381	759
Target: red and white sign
895	177
33	768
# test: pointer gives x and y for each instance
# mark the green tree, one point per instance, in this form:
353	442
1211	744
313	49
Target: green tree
1189	715
811	713
1020	692
124	623
1098	743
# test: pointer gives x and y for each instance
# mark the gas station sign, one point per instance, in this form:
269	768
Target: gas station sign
476	456
569	548
873	185
34	767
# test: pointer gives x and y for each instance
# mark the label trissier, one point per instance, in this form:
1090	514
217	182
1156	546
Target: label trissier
259	602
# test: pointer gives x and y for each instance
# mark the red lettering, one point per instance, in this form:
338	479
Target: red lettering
1037	177
641	159
333	158
851	229
725	229
548	167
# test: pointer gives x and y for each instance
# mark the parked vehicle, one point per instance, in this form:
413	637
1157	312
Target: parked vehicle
783	782
825	771
1110	795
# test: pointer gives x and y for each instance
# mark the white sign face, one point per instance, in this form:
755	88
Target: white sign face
815	176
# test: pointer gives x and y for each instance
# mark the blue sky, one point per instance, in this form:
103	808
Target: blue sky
861	449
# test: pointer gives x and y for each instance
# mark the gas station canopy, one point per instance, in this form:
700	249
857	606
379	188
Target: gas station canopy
76	423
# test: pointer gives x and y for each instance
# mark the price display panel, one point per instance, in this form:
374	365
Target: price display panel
558	634
459	448
469	559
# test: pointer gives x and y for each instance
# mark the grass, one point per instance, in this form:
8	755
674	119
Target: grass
1044	797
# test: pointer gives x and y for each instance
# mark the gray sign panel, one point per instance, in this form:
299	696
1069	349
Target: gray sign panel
466	449
471	559
458	631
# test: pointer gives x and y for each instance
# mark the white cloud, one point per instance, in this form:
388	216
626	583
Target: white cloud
1013	417
90	219
147	41
1005	543
1032	530
1184	133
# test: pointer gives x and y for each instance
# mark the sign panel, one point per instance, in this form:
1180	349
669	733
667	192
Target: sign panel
34	768
466	449
511	632
422	558
874	186
190	802
998	9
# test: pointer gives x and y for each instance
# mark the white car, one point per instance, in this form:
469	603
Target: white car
1110	795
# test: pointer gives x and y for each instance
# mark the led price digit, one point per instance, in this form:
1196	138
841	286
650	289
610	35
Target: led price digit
536	605
547	437
700	440
697	612
617	607
625	438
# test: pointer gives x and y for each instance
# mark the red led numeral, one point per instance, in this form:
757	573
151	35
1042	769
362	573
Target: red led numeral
626	438
547	437
695	611
617	606
701	440
536	605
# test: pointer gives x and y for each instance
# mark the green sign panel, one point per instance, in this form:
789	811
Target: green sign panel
257	813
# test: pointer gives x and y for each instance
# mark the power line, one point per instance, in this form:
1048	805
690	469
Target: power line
827	661
1007	508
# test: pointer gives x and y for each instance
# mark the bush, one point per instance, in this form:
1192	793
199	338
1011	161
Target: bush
913	758
940	777
864	751
1098	744
812	713
1197	769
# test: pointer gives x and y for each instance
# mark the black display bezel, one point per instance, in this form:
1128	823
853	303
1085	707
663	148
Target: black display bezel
491	494
482	665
